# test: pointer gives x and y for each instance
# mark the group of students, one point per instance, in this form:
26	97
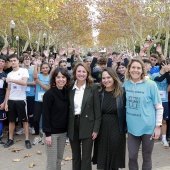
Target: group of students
91	105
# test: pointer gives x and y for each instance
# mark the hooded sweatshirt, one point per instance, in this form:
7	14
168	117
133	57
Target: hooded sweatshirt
143	107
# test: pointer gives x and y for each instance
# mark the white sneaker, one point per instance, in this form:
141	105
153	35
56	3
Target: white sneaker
20	131
67	140
32	131
1	135
37	140
165	144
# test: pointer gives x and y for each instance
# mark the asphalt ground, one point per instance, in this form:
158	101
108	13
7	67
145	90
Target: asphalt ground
36	156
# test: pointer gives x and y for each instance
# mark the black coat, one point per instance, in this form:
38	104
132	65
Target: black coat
90	117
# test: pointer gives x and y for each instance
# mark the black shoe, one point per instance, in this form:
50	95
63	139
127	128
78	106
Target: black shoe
28	144
9	143
2	143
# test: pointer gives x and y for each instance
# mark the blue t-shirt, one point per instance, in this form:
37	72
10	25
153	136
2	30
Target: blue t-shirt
162	87
154	69
39	90
140	106
30	89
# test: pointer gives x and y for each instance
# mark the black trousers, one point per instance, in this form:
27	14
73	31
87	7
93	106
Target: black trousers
81	155
37	115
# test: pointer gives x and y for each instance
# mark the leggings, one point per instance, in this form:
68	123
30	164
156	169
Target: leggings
133	148
37	116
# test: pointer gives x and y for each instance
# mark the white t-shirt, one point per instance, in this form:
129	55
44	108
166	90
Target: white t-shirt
17	92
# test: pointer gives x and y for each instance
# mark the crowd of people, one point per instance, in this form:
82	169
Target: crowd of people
93	101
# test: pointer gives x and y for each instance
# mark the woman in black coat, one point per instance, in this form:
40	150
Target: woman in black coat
84	116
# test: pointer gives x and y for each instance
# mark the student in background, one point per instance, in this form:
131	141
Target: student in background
42	81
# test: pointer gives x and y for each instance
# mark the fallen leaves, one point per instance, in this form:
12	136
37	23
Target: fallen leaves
39	152
16	160
68	158
31	165
15	149
18	140
27	155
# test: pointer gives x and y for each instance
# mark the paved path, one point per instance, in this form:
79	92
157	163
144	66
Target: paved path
161	157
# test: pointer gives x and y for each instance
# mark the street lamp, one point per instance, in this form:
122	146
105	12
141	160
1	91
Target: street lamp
12	26
17	39
44	36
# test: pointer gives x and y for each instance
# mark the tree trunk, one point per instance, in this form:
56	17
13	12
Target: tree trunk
39	39
26	45
167	38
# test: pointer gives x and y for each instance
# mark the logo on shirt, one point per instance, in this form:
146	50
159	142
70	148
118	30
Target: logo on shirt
134	102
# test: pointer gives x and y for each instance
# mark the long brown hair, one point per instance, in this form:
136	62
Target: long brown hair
117	86
89	79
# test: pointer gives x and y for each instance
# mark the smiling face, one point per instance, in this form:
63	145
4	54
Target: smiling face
27	61
121	69
81	73
136	71
45	69
60	80
107	81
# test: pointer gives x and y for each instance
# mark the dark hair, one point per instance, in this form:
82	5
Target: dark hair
51	58
62	61
146	61
154	56
102	60
89	54
21	60
120	64
44	64
117	85
2	57
115	53
13	56
64	72
89	79
26	56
